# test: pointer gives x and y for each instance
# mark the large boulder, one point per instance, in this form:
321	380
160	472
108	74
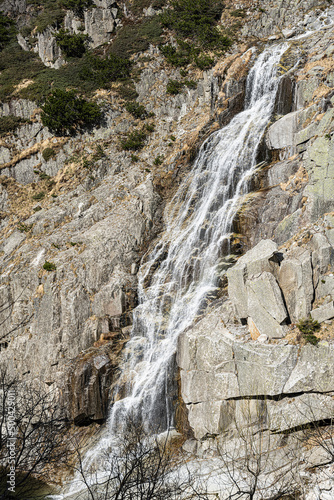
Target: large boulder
296	282
263	369
314	370
257	260
266	306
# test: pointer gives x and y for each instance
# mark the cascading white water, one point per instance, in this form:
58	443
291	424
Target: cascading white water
181	272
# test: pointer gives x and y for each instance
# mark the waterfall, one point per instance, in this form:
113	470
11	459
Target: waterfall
180	274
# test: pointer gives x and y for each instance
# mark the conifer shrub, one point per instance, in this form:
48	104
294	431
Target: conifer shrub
137	37
103	71
48	153
196	20
39	196
65	113
49	266
7	30
308	327
9	124
137	110
78	6
174	87
72	45
127	91
134	141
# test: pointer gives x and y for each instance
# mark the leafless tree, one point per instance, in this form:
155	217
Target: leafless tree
33	437
139	467
253	461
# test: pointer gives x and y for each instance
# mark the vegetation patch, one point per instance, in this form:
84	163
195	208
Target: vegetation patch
137	37
7	30
137	110
196	28
72	45
10	123
48	153
134	141
49	266
174	87
65	113
39	196
308	327
101	72
196	20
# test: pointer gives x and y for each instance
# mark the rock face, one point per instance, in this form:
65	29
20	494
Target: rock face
74	226
234	370
91	375
48	50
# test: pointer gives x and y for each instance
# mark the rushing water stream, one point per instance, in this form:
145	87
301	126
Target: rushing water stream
181	273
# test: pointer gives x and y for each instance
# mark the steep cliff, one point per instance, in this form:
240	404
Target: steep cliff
80	212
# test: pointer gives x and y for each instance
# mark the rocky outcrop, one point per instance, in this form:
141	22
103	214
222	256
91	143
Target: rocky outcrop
91	377
234	370
48	50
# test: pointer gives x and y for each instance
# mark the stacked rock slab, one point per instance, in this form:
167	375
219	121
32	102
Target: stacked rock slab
254	291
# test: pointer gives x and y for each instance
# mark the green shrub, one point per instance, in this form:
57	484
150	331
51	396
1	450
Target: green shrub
312	339
78	6
24	228
65	113
195	20
308	326
48	153
39	196
49	266
134	141
7	30
137	110
204	62
103	71
238	13
150	127
51	16
158	160
191	84
174	87
127	92
136	37
72	45
9	123
134	158
178	57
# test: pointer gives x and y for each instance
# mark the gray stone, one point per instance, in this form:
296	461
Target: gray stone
282	133
295	279
323	313
22	108
325	287
48	50
322	255
255	261
264	369
207	346
12	242
204	418
266	306
199	386
99	25
314	370
290	413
